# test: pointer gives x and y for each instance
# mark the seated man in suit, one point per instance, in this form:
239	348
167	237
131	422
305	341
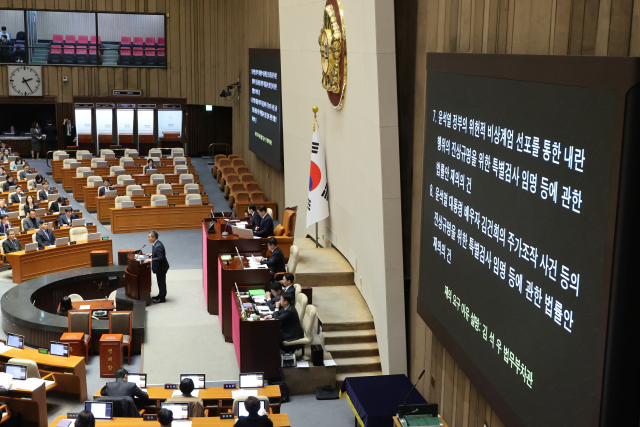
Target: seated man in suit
16	197
196	405
255	218
273	295
256	417
56	205
22	175
106	185
290	327
11	244
31	222
276	260
3	208
43	195
287	283
266	223
120	387
5	225
8	183
66	218
44	236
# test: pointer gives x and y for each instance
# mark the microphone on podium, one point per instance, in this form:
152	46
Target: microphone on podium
414	386
139	251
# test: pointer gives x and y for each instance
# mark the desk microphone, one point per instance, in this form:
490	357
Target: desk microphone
139	251
414	386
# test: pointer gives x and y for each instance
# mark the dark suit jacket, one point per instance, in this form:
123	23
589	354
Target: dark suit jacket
290	327
69	139
266	227
159	263
101	190
63	220
6	185
271	303
44	195
3	229
254	421
42	239
255	220
51	132
27	209
8	246
32	224
55	207
15	198
120	388
275	261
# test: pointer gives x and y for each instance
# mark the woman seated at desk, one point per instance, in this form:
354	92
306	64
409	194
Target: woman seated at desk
18	162
65	306
39	179
30	205
4	157
56	205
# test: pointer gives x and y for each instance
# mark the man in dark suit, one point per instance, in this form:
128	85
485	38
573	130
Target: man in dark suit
11	244
16	197
266	223
5	225
120	387
67	217
31	222
8	183
56	205
69	131
290	327
51	134
256	417
44	236
43	195
106	185
287	283
276	260
159	265
273	295
22	175
255	218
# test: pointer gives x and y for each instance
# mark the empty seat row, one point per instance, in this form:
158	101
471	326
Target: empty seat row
141	42
70	40
70	55
142	51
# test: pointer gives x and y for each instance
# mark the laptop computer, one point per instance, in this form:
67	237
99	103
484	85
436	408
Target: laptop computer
39	187
62	241
52	197
128	203
119	172
100	410
59	349
198	380
137	192
149	171
180	411
179	162
138	379
12	158
242	411
127	162
94	236
40	211
79	222
13	215
15	340
101	164
31	176
63	156
193	190
157	181
18	372
86	156
161	202
188	180
87	173
15	230
166	190
73	165
195	201
251	380
110	193
109	155
30	247
182	169
128	181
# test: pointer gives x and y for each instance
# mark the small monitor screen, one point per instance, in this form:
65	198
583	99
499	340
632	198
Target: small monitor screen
198	380
18	372
59	349
242	411
100	410
253	380
138	379
16	341
180	411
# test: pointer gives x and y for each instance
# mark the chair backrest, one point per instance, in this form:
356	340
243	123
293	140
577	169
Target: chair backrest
132	187
105	151
292	264
75	298
289	221
31	184
218	157
161	186
120	322
184	176
129	151
112	297
124	160
180	169
95	160
241	170
242	197
177	152
113	169
270	212
301	305
120	199
264	399
155	159
121	178
80	321
309	321
123	406
66	163
297	289
223	162
232	179
196	406
22	223
91	179
236	187
154	176
78	234
21	209
79	153
227	170
233	156
157	197
154	152
190	185
56	154
246	177
32	367
192	196
251	187
237	162
34	238
80	170
257	196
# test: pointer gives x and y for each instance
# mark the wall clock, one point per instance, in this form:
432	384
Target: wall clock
25	80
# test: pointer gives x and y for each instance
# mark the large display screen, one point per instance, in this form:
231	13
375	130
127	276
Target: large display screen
265	102
516	241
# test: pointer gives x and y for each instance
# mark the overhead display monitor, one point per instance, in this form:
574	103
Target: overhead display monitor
265	106
525	196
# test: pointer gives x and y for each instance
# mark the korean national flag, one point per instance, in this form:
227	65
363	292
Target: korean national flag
318	203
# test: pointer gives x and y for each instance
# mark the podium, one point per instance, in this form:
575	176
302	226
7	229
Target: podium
110	354
137	280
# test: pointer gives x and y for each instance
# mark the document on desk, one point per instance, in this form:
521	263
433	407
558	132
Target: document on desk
302	364
179	423
242	392
85	307
330	362
4	348
28	384
5	380
178	393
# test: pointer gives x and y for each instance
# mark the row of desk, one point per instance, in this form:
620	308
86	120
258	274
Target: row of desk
53	217
61	232
91	195
58	165
73	183
105	204
145	218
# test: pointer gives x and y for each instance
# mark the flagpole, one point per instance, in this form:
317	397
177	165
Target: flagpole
315	112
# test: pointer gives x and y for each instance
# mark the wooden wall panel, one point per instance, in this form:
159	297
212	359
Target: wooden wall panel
561	27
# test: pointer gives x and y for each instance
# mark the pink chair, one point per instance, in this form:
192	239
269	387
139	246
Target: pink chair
125	42
138	42
150	42
83	41
57	40
70	40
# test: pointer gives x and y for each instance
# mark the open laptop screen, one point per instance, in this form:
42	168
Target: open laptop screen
14	340
18	372
252	380
180	411
242	411
138	379
100	410
198	380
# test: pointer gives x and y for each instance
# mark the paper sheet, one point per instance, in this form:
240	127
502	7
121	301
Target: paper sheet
85	307
28	384
178	393
4	348
302	364
180	423
242	392
330	362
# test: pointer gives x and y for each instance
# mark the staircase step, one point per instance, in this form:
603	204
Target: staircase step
348	337
358	364
349	326
365	349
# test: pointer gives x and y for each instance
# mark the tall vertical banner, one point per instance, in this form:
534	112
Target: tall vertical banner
318	203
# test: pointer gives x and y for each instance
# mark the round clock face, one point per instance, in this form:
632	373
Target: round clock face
25	81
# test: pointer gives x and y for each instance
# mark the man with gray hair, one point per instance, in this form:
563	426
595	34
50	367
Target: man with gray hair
159	265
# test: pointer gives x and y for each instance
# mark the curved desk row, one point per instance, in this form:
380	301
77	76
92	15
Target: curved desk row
91	193
183	217
57	165
106	203
61	232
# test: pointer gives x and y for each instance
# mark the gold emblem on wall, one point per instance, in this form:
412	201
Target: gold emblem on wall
333	53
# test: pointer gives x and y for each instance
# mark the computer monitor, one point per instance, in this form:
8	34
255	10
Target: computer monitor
242	411
119	172
18	372
198	380
128	204
94	236
128	181
40	211
15	340
138	379
100	410
180	411
137	192
62	241
59	349
149	171
161	202
252	380
30	247
101	164
78	222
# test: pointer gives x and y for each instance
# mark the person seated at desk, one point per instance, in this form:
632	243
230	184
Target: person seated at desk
56	205
85	419
5	225
16	196
150	165
11	244
22	175
255	217
276	260
12	131
32	222
290	327
43	194
120	387
3	208
165	417
2	171
44	236
196	406
8	183
257	417
65	306
30	205
287	283
4	157
67	217
17	163
265	229
39	179
273	296
106	185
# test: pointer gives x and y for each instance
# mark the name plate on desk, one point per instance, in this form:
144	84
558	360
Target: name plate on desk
151	417
171	386
72	415
226	416
229	386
